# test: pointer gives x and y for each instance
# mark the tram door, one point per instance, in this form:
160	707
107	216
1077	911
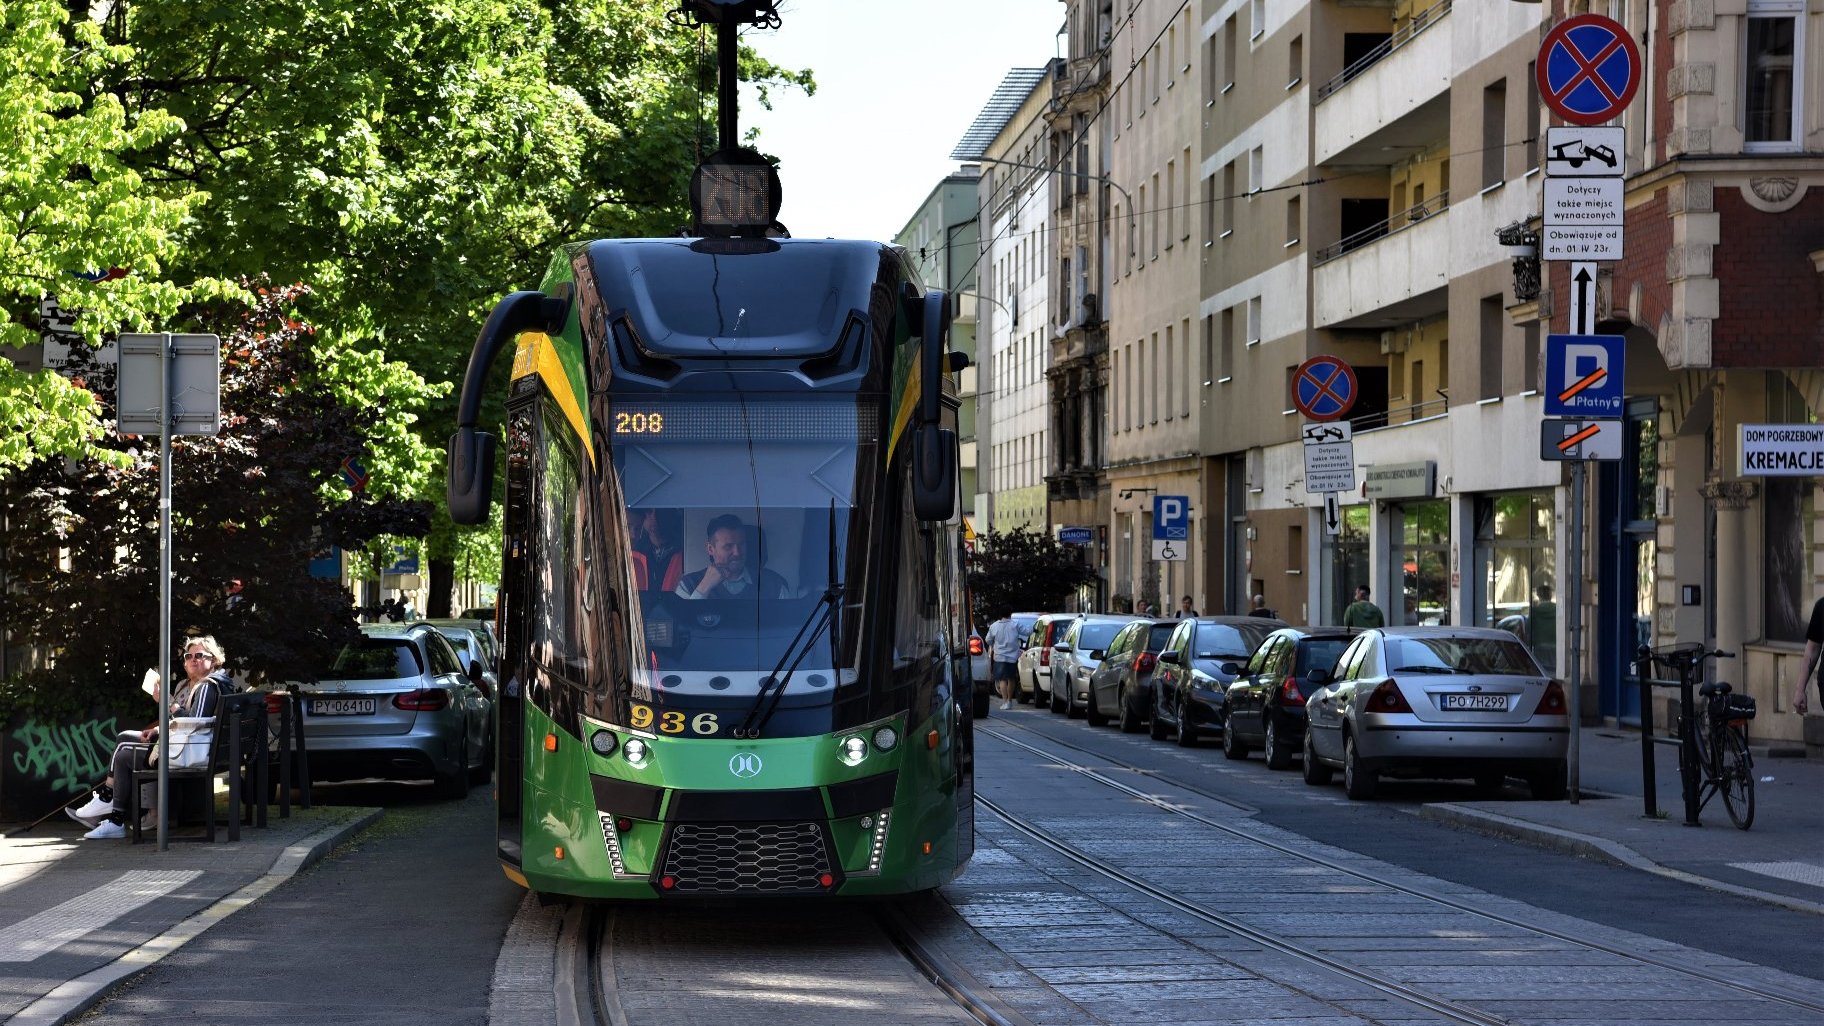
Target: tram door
1627	552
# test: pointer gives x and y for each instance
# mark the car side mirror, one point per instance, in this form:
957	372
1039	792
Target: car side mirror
1060	647
1231	669
1172	656
1319	678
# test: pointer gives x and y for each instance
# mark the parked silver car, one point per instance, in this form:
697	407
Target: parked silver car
473	650
1437	702
484	629
399	704
1121	687
1075	657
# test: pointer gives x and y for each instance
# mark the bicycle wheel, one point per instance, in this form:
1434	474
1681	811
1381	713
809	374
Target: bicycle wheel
1736	777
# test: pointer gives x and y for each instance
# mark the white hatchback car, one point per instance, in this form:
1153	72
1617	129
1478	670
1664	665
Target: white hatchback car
1077	655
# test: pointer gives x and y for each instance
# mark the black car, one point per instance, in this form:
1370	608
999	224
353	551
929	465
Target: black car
1267	699
1121	686
1190	687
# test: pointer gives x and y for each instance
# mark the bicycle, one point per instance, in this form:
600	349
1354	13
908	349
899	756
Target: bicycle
1719	741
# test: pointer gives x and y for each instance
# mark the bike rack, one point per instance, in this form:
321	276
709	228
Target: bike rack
1688	661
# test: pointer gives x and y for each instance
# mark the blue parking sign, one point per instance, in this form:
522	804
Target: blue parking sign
1583	375
1171	517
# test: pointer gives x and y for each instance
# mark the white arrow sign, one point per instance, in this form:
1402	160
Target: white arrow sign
1583	298
1333	517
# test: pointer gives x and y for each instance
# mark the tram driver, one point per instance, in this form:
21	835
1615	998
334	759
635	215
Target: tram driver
728	574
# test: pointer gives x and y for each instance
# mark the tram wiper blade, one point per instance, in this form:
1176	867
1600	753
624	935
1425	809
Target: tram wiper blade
774	685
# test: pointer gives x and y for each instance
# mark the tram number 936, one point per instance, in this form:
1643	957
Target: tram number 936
644	717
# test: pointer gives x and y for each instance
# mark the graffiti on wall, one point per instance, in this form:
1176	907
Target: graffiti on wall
63	756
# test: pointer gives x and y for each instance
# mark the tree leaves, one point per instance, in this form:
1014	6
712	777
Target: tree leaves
1024	570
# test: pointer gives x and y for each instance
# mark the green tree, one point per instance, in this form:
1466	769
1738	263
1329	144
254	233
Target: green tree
1024	570
417	161
71	202
253	503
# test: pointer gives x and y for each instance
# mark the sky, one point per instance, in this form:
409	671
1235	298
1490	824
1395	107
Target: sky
907	78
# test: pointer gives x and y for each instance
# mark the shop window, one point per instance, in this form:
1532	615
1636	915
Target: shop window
1424	564
1788	508
1516	581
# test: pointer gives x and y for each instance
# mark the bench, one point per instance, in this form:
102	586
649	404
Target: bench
238	748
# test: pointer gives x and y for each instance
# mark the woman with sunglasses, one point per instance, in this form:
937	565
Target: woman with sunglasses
198	694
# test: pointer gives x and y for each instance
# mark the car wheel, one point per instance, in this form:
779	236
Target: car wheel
1130	717
1058	705
1490	782
983	703
1316	773
480	775
1232	745
1279	757
1187	731
1358	781
1155	727
1093	712
1549	785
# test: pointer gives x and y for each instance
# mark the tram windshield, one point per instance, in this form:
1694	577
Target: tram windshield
739	515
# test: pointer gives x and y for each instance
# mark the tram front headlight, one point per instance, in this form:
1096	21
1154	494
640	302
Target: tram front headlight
603	742
854	750
886	738
635	750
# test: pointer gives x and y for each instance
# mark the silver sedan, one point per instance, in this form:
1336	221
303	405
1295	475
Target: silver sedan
1437	702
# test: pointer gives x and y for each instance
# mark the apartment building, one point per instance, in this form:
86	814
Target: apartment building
1078	145
1012	301
1155	395
943	237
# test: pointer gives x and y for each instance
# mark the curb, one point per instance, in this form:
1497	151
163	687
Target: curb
70	999
1597	848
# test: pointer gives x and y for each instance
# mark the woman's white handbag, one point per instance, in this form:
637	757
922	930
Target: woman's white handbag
191	739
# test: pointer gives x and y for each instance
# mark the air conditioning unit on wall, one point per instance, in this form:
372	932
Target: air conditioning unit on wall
1393	342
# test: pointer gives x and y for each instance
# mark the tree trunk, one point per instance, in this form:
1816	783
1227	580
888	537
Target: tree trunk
442	582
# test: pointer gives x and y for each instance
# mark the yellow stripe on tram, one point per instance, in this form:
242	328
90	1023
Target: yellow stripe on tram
535	354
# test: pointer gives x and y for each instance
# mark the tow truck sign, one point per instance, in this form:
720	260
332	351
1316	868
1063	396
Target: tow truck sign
1576	151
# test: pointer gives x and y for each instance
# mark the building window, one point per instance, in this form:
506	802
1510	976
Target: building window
1295	61
1187	372
1171	202
1227	199
1257	18
1492	349
1532	106
1226	341
1229	31
1494	134
1515	555
1254	335
1292	220
1152	384
1257	167
1529	369
1295	549
1773	66
1170	373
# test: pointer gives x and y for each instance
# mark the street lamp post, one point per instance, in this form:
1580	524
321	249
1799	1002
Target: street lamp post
1100	178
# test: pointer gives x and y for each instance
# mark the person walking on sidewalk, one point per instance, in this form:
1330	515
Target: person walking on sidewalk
199	694
1004	655
1814	644
1363	613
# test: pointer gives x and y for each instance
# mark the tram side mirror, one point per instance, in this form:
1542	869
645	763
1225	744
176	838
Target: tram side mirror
471	483
934	472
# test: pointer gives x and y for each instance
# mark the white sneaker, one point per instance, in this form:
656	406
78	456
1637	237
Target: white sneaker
1006	705
149	821
108	829
94	809
88	823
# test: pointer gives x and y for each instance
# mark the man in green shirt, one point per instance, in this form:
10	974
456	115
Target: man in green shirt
1361	612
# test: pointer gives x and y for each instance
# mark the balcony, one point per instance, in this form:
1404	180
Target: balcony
1392	97
1388	273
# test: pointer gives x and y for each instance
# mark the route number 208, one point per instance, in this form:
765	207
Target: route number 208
642	717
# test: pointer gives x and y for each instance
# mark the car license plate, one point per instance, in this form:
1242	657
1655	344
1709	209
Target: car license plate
1485	703
341	707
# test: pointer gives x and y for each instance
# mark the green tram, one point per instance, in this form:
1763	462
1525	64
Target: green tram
732	606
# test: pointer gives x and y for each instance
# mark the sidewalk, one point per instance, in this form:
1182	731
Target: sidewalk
78	917
1779	860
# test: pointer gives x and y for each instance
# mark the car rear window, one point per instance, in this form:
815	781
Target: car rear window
1098	635
1223	641
376	659
1159	635
1320	654
1460	655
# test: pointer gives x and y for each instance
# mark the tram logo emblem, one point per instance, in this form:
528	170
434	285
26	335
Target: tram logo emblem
745	765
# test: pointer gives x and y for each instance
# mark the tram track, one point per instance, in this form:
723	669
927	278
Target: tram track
1451	1009
599	948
